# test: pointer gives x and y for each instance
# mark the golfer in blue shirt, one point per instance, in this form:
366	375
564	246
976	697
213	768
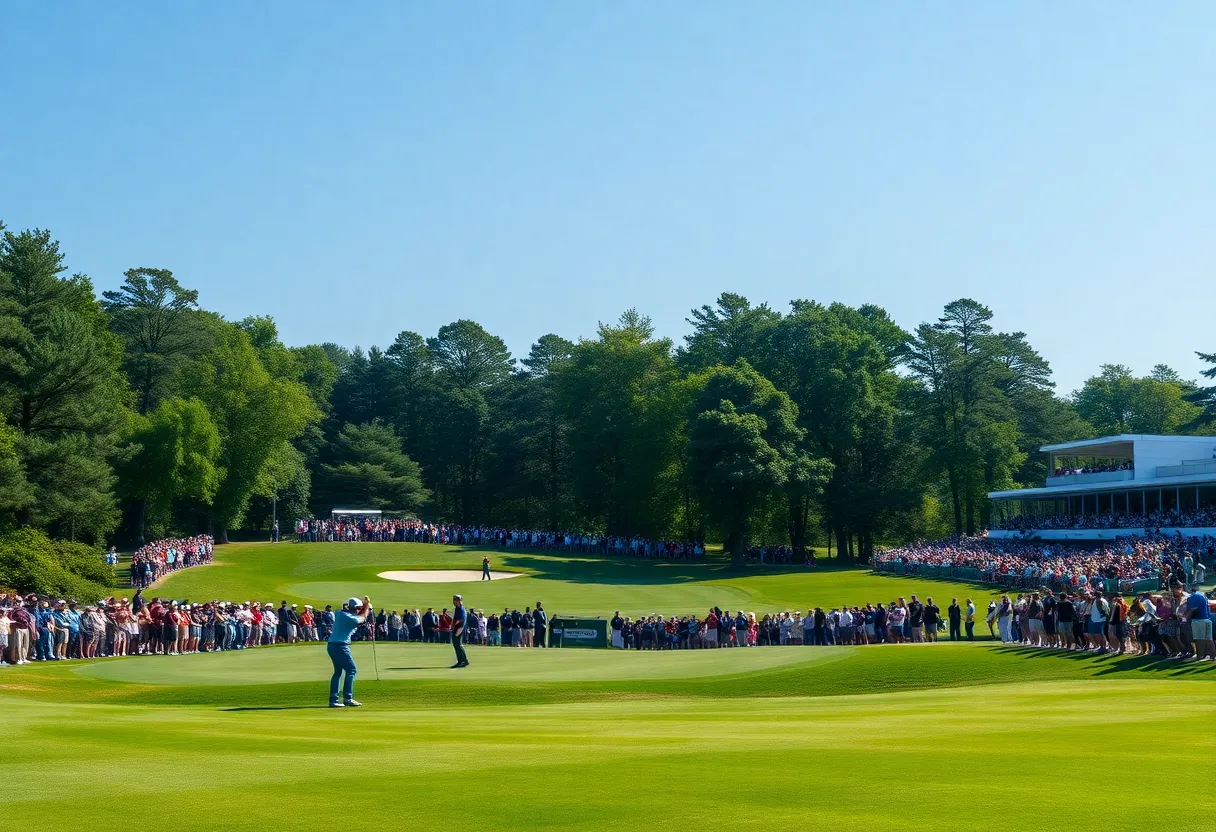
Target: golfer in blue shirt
346	621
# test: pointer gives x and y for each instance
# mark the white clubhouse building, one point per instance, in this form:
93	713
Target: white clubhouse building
1138	475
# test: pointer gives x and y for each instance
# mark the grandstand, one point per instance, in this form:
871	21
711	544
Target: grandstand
1113	486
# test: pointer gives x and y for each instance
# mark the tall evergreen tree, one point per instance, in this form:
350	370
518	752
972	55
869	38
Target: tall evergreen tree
470	368
969	375
367	468
1204	397
532	450
156	318
724	333
61	389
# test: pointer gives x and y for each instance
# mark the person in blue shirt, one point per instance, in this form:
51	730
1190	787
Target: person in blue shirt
74	644
325	622
45	621
459	619
346	621
60	616
1200	618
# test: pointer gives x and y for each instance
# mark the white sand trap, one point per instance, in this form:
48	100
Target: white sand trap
443	576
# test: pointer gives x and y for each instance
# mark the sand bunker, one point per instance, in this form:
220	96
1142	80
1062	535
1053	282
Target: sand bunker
442	576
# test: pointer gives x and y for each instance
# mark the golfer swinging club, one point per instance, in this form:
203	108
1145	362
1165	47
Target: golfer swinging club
346	621
459	618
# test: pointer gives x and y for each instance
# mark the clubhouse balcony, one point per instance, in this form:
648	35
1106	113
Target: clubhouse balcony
1115	486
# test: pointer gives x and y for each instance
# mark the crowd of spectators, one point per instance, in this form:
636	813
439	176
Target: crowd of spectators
510	628
152	562
1153	520
47	629
1096	468
778	554
1017	563
895	622
34	629
1173	624
352	530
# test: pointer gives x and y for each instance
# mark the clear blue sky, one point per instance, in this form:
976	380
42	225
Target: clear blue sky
356	169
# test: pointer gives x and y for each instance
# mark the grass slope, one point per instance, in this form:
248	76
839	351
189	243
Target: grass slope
321	573
919	737
946	736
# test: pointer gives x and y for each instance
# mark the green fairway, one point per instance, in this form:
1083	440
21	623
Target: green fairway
920	737
433	661
952	736
329	573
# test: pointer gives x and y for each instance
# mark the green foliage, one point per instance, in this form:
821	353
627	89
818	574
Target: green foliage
1205	397
157	320
531	459
175	455
726	332
16	492
842	379
61	390
743	439
613	393
981	395
368	469
253	411
468	356
1115	402
283	490
620	433
32	562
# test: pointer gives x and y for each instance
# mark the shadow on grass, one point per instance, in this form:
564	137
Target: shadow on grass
278	708
1106	664
583	568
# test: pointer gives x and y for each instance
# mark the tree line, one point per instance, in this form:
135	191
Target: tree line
137	413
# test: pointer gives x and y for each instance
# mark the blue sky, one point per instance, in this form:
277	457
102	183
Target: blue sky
357	169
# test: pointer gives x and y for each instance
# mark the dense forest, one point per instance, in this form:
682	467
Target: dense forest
138	413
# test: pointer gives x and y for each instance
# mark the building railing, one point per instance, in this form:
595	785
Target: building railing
1097	476
1188	466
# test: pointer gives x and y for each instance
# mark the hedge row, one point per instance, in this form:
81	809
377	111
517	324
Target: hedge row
32	562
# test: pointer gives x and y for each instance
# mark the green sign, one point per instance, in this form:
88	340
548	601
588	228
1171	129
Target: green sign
578	632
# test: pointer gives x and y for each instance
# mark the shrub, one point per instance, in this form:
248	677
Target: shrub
32	562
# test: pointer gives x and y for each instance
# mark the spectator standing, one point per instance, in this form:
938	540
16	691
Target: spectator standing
932	615
540	626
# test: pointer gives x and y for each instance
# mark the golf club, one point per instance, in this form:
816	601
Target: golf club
375	663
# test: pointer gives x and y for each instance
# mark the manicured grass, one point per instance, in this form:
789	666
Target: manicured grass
328	573
398	661
946	736
915	737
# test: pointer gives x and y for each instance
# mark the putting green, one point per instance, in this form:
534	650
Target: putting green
309	663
